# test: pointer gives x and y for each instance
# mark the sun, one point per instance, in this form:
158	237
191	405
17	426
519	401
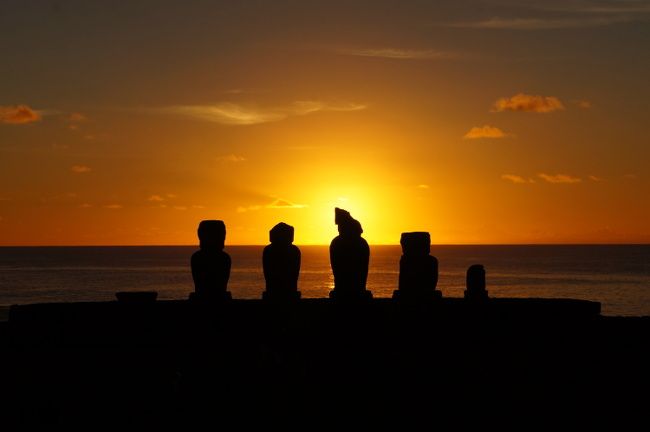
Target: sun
318	220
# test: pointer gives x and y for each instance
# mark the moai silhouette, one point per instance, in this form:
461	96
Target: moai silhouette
349	257
281	261
476	283
210	264
418	270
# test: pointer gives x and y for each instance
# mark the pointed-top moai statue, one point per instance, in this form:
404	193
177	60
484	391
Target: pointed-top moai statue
418	270
281	260
476	283
349	257
210	264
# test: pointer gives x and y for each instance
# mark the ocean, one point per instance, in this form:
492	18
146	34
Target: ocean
618	276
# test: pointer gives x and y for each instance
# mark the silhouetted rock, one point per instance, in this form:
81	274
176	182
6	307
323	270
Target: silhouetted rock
476	283
210	264
349	257
418	271
281	260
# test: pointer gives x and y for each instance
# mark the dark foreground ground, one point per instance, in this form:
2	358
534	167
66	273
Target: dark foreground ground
508	362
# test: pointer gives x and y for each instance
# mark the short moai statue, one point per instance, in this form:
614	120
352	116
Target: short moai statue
418	270
476	283
349	257
281	261
210	264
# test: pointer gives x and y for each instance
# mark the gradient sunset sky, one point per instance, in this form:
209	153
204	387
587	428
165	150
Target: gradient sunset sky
126	123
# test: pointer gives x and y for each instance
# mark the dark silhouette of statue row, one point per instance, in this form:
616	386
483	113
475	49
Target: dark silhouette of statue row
210	264
281	261
476	283
349	258
418	270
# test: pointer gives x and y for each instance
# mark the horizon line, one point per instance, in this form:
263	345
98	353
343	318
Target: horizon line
323	244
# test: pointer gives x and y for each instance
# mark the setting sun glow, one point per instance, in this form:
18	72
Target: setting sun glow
119	126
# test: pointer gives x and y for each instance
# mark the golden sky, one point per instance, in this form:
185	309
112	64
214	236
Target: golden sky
126	123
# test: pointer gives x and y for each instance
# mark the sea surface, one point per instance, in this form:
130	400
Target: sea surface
618	276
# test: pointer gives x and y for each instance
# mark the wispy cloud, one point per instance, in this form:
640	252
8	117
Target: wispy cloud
594	178
114	206
615	7
232	158
528	103
242	209
159	198
399	53
304	147
516	179
486	131
18	114
497	23
584	104
559	178
80	169
283	204
566	14
75	119
423	186
236	114
275	204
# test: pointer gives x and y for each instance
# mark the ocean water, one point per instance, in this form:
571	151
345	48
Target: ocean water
618	276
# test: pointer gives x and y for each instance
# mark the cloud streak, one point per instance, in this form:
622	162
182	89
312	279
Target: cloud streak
616	7
275	204
530	24
399	54
566	15
80	169
516	179
549	178
75	119
584	104
559	178
522	102
284	204
231	158
235	114
486	131
18	114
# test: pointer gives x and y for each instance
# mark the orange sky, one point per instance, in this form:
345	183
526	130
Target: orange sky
480	122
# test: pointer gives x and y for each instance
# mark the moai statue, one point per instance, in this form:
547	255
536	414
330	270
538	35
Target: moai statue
210	264
418	270
281	260
476	283
349	257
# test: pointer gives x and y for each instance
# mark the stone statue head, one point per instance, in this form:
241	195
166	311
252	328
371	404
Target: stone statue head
347	225
415	243
282	233
212	234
